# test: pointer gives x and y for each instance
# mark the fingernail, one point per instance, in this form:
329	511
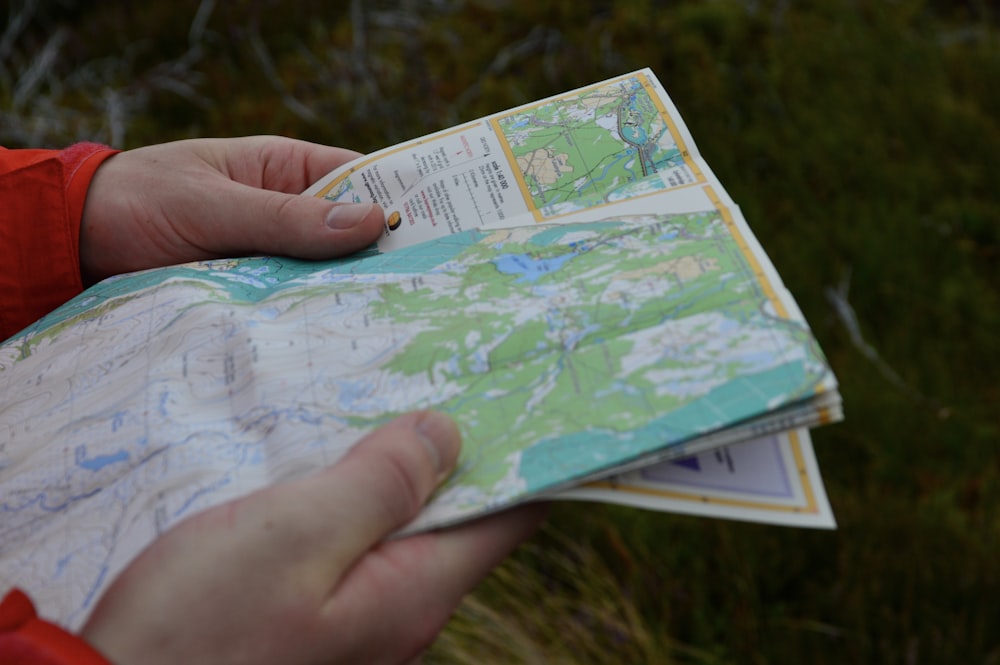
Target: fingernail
441	437
347	215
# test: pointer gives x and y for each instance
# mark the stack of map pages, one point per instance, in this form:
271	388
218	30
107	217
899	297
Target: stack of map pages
567	279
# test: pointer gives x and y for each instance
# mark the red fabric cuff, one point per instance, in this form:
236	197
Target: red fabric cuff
43	194
25	639
80	162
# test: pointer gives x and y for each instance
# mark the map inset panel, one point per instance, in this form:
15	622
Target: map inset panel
600	145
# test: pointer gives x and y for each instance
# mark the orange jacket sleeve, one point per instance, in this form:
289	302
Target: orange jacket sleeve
42	193
26	639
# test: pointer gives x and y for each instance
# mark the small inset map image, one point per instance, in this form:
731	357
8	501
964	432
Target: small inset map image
602	145
342	191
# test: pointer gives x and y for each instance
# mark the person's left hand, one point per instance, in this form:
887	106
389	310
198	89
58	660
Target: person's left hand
210	198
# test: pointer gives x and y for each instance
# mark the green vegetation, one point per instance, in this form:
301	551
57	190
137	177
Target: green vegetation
861	140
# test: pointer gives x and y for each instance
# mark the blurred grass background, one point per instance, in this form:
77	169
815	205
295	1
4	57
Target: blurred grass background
860	137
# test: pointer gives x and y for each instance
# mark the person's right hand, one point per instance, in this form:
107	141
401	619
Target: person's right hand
301	573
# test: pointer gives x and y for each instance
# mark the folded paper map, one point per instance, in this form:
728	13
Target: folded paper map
568	280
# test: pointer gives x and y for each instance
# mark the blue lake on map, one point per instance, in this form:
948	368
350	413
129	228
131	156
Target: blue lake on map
528	267
634	135
97	462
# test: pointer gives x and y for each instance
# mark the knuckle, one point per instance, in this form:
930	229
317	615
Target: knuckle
407	487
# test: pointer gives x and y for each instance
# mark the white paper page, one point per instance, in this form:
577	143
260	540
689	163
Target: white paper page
773	480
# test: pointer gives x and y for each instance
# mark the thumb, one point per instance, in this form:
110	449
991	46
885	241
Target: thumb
301	226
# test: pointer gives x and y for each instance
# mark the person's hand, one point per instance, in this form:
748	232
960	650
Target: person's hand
213	198
301	572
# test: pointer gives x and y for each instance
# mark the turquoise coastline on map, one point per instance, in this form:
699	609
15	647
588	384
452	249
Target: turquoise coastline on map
248	279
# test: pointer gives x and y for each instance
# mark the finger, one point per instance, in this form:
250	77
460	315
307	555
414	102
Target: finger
466	554
268	222
275	162
414	584
337	515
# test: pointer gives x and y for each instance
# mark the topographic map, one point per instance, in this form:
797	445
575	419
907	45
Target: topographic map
561	350
599	145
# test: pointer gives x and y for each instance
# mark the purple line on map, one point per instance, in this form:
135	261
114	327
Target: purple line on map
689	463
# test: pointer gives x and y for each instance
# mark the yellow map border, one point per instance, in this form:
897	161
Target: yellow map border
811	504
